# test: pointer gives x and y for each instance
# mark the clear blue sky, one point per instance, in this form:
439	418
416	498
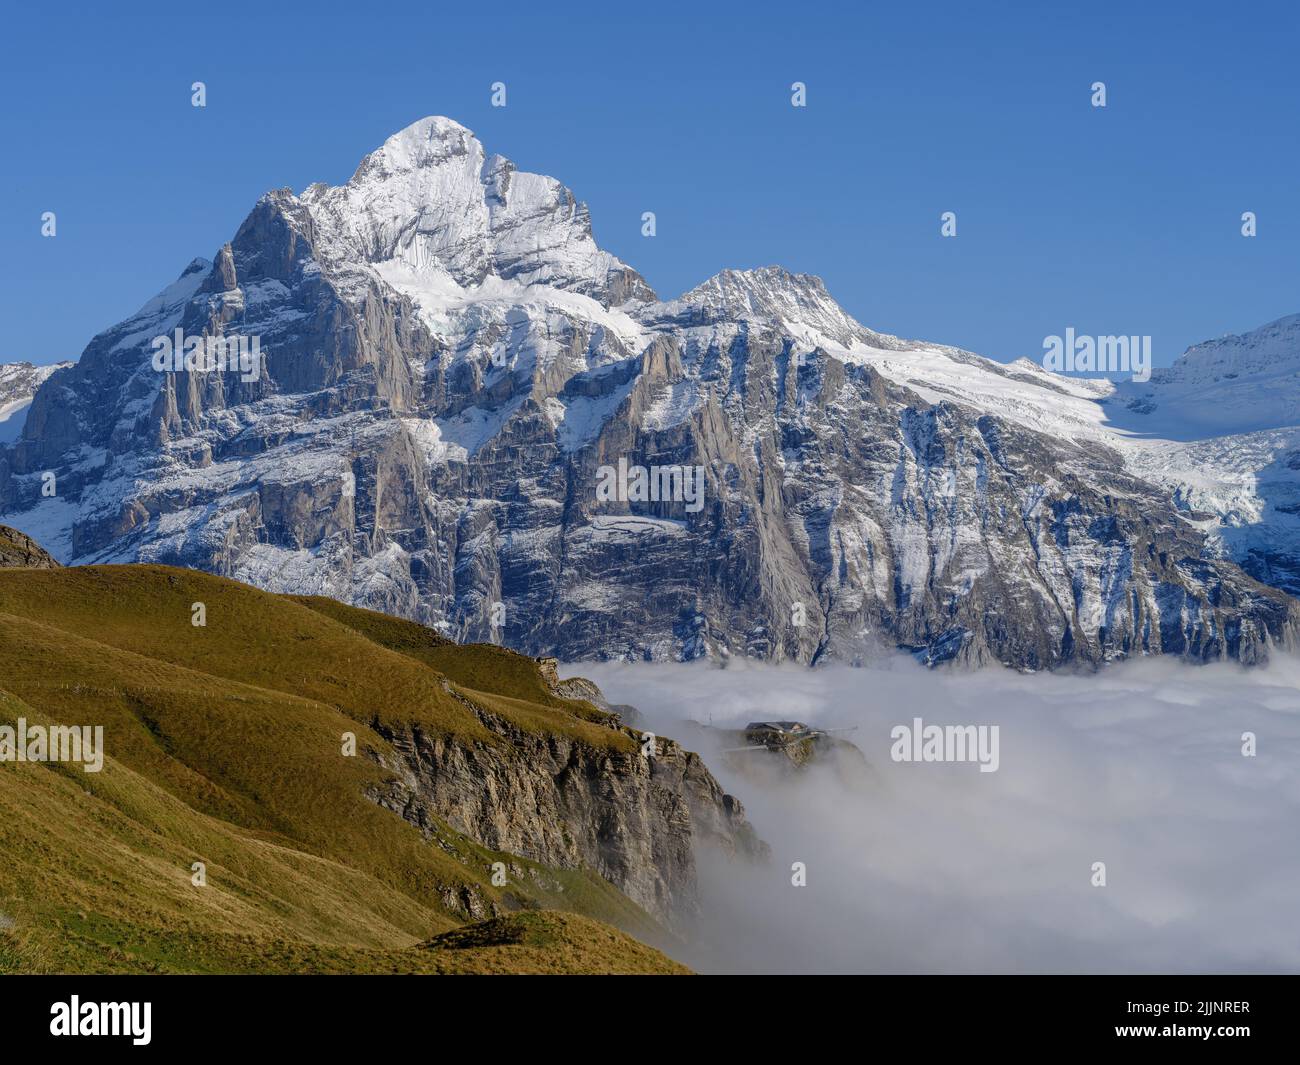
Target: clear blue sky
1122	220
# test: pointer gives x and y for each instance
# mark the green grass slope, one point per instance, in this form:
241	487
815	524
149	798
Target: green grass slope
224	746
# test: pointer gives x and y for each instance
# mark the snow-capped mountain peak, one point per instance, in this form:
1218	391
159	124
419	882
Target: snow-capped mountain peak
1231	385
1271	349
431	200
767	293
453	369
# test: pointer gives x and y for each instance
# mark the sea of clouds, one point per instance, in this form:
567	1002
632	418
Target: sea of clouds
933	867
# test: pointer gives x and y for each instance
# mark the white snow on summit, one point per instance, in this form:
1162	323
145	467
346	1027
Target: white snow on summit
431	201
530	319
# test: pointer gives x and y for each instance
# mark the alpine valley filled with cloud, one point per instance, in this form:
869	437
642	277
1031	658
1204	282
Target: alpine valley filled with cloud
408	587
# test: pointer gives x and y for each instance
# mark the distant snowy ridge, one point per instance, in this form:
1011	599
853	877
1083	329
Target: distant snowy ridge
18	384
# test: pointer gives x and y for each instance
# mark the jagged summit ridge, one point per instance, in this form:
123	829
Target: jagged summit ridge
769	293
431	199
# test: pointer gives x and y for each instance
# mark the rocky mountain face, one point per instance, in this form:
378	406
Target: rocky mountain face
468	414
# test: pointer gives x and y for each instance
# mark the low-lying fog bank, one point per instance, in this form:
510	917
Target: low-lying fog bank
929	866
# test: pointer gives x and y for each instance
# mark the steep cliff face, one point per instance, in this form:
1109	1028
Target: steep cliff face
453	369
635	818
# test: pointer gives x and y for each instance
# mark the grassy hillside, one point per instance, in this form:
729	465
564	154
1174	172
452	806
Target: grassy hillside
484	669
224	746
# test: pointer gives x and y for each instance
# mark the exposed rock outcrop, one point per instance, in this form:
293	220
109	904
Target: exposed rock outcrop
20	550
637	820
